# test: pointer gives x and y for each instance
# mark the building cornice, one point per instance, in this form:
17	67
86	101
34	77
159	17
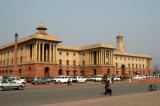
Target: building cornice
132	54
31	37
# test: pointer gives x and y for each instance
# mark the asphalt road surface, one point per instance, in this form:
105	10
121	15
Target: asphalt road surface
48	95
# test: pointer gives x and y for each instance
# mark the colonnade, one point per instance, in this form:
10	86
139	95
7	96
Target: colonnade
41	52
6	58
101	56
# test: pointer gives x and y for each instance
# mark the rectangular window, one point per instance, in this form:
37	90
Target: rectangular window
67	54
67	62
74	62
74	54
83	62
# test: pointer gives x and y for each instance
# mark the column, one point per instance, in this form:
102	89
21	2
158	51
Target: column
96	57
36	52
104	56
47	54
52	52
90	62
91	58
2	58
42	52
39	52
112	58
28	53
33	50
50	55
101	58
108	57
55	50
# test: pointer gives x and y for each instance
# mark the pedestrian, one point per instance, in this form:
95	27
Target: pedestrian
69	82
108	88
112	79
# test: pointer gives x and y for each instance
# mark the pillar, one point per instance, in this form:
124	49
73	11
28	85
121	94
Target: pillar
91	58
15	69
55	50
50	52
108	57
36	52
42	52
101	57
39	52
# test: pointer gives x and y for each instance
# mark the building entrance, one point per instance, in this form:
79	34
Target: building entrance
94	71
46	72
123	69
60	72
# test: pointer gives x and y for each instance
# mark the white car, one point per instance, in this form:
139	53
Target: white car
138	77
23	79
117	78
62	79
79	79
18	80
1	77
5	84
97	78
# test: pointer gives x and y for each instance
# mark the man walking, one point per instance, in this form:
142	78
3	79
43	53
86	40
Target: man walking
108	88
69	82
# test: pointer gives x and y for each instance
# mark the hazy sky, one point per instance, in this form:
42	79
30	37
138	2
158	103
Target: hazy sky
81	22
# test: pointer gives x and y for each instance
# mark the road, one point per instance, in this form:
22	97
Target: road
54	94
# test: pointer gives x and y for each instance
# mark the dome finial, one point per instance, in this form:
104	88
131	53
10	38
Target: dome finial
41	29
120	34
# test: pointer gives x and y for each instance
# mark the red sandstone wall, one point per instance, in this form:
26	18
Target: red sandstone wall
31	70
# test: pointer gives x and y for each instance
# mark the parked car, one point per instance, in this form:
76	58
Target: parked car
15	79
1	77
138	77
79	79
49	79
62	79
18	80
97	78
6	84
117	78
38	80
23	79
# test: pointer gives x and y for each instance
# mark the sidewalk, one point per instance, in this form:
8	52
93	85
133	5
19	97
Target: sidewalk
141	99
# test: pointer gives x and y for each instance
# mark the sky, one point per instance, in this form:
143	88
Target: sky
82	22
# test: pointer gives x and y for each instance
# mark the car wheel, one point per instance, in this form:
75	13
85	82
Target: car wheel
1	88
20	87
59	82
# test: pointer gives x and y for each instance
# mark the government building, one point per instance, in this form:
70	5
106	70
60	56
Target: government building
44	55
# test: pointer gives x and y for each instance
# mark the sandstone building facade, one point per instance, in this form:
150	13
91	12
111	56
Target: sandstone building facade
44	55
